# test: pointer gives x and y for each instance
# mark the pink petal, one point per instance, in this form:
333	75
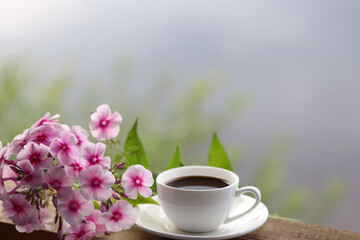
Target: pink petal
96	170
71	237
113	226
116	119
136	171
57	172
73	152
87	192
131	192
68	180
23	154
100	149
104	217
44	150
104	111
147	178
87	208
105	163
26	166
55	147
37	179
108	180
123	206
111	132
94	216
64	157
68	137
47	163
127	223
97	133
94	122
145	191
70	216
64	193
85	178
89	151
101	194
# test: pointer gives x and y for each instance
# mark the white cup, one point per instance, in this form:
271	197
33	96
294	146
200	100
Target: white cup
201	210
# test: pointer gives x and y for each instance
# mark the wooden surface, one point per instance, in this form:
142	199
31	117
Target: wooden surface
272	229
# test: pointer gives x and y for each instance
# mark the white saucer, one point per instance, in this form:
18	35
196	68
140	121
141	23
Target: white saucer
151	218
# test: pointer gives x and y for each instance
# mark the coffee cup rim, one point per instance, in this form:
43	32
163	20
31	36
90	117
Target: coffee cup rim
162	183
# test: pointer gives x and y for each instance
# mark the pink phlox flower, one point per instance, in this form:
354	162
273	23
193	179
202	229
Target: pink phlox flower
137	179
64	127
64	148
19	142
37	155
46	119
121	216
74	207
57	179
31	225
33	178
5	170
103	125
75	168
46	219
94	155
45	134
2	185
16	208
82	231
81	135
8	172
95	184
100	227
4	153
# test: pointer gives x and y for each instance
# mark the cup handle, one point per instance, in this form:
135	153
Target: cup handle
248	189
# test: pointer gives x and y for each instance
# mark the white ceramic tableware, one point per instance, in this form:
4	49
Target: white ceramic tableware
201	210
151	218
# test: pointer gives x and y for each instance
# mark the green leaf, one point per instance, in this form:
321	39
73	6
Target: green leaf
217	155
133	142
176	161
154	187
96	205
140	200
118	157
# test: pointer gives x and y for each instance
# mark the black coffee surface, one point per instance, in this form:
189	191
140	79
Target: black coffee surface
198	183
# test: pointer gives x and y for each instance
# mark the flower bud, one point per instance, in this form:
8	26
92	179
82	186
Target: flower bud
37	194
103	207
120	165
55	200
124	195
116	196
60	232
118	181
15	169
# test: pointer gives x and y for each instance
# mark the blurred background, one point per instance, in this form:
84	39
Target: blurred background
277	80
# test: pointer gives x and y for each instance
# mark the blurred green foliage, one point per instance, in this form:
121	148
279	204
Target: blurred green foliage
170	115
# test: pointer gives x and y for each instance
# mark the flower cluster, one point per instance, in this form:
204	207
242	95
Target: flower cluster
51	162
